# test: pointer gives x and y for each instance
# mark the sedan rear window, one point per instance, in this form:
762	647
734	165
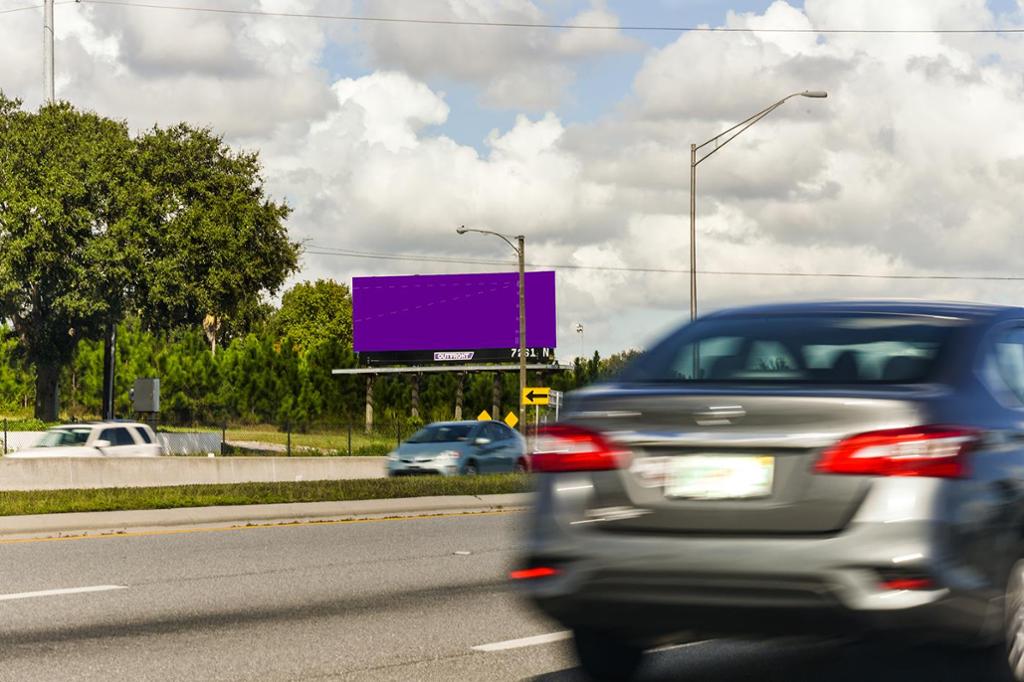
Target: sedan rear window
819	349
449	433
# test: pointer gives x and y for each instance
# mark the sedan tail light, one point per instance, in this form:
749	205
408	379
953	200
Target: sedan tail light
563	448
933	451
533	573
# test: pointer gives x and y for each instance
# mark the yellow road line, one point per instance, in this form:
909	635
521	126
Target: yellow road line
251	526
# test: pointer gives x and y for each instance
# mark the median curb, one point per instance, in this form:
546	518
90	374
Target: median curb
116	522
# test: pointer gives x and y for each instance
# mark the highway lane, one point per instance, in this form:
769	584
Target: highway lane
417	599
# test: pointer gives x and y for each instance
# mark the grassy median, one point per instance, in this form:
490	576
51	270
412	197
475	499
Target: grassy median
169	497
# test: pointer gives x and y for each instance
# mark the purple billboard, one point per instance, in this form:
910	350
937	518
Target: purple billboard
452	318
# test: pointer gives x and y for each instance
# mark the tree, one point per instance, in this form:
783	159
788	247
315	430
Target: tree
314	313
612	365
15	381
172	226
211	242
61	172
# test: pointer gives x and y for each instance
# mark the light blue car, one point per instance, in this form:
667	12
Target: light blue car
453	448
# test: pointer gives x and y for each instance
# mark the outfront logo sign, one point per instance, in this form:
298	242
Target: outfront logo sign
449	356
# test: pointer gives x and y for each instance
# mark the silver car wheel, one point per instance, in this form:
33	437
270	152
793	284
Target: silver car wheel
1015	621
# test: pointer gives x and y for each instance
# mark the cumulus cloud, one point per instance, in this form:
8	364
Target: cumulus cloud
526	69
243	75
910	166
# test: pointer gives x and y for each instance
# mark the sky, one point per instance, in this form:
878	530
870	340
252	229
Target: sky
385	137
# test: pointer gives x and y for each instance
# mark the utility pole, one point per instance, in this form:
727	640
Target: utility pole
109	369
48	50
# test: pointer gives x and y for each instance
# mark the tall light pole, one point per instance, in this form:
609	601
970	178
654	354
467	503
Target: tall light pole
520	248
729	136
48	50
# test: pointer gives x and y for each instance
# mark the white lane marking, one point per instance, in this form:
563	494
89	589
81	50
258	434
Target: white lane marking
67	590
525	641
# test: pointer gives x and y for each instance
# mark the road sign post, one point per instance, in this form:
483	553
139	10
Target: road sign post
556	400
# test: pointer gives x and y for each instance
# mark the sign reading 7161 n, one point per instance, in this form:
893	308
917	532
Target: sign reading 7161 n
536	396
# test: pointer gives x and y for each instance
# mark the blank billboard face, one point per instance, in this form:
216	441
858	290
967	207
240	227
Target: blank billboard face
451	312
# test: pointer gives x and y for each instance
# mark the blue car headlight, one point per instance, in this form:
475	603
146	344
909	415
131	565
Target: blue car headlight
448	458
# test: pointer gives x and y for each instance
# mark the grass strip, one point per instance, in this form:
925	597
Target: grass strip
15	503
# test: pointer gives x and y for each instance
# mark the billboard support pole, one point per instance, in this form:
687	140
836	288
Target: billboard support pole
459	390
415	396
369	403
496	396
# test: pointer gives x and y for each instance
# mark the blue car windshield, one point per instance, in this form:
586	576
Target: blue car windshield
815	349
445	433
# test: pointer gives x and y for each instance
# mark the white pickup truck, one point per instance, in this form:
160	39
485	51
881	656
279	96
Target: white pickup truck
97	439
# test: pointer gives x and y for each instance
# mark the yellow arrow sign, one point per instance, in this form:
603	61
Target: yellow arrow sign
536	396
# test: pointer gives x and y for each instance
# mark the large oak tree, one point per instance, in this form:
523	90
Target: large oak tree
171	225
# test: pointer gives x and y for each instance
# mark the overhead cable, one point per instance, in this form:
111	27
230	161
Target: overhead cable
541	25
437	259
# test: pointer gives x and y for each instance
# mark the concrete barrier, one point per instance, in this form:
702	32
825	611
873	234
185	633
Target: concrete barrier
174	443
141	472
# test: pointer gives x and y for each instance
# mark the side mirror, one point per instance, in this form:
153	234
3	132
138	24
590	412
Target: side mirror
101	444
482	441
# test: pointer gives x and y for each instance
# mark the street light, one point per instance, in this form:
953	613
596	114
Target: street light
694	162
520	248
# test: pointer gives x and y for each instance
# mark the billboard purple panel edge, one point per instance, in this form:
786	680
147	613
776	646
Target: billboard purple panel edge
451	312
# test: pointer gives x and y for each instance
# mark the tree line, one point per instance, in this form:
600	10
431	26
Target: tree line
277	373
167	237
168	228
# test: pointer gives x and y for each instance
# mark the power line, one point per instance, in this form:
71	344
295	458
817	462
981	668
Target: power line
582	27
19	9
27	7
348	253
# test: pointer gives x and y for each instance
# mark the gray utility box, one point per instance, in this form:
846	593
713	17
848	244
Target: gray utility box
146	395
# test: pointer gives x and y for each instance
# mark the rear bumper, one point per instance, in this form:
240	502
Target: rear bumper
426	469
658	609
669	588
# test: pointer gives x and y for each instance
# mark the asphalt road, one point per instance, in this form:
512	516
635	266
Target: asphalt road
416	599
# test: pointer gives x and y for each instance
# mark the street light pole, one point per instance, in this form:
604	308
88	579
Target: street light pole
520	248
729	135
521	240
693	232
48	51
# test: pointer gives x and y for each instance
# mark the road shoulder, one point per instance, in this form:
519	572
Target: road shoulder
117	522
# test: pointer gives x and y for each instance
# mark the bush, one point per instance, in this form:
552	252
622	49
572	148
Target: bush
26	425
372	450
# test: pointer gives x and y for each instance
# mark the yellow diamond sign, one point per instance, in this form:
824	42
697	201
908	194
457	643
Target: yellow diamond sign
511	419
484	416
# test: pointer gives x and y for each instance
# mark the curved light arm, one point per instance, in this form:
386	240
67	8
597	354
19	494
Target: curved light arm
462	229
746	123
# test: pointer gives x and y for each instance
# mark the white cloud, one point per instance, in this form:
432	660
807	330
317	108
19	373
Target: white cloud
582	42
527	69
243	75
910	166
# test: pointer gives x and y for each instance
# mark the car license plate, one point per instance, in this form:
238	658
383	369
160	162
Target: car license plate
720	477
